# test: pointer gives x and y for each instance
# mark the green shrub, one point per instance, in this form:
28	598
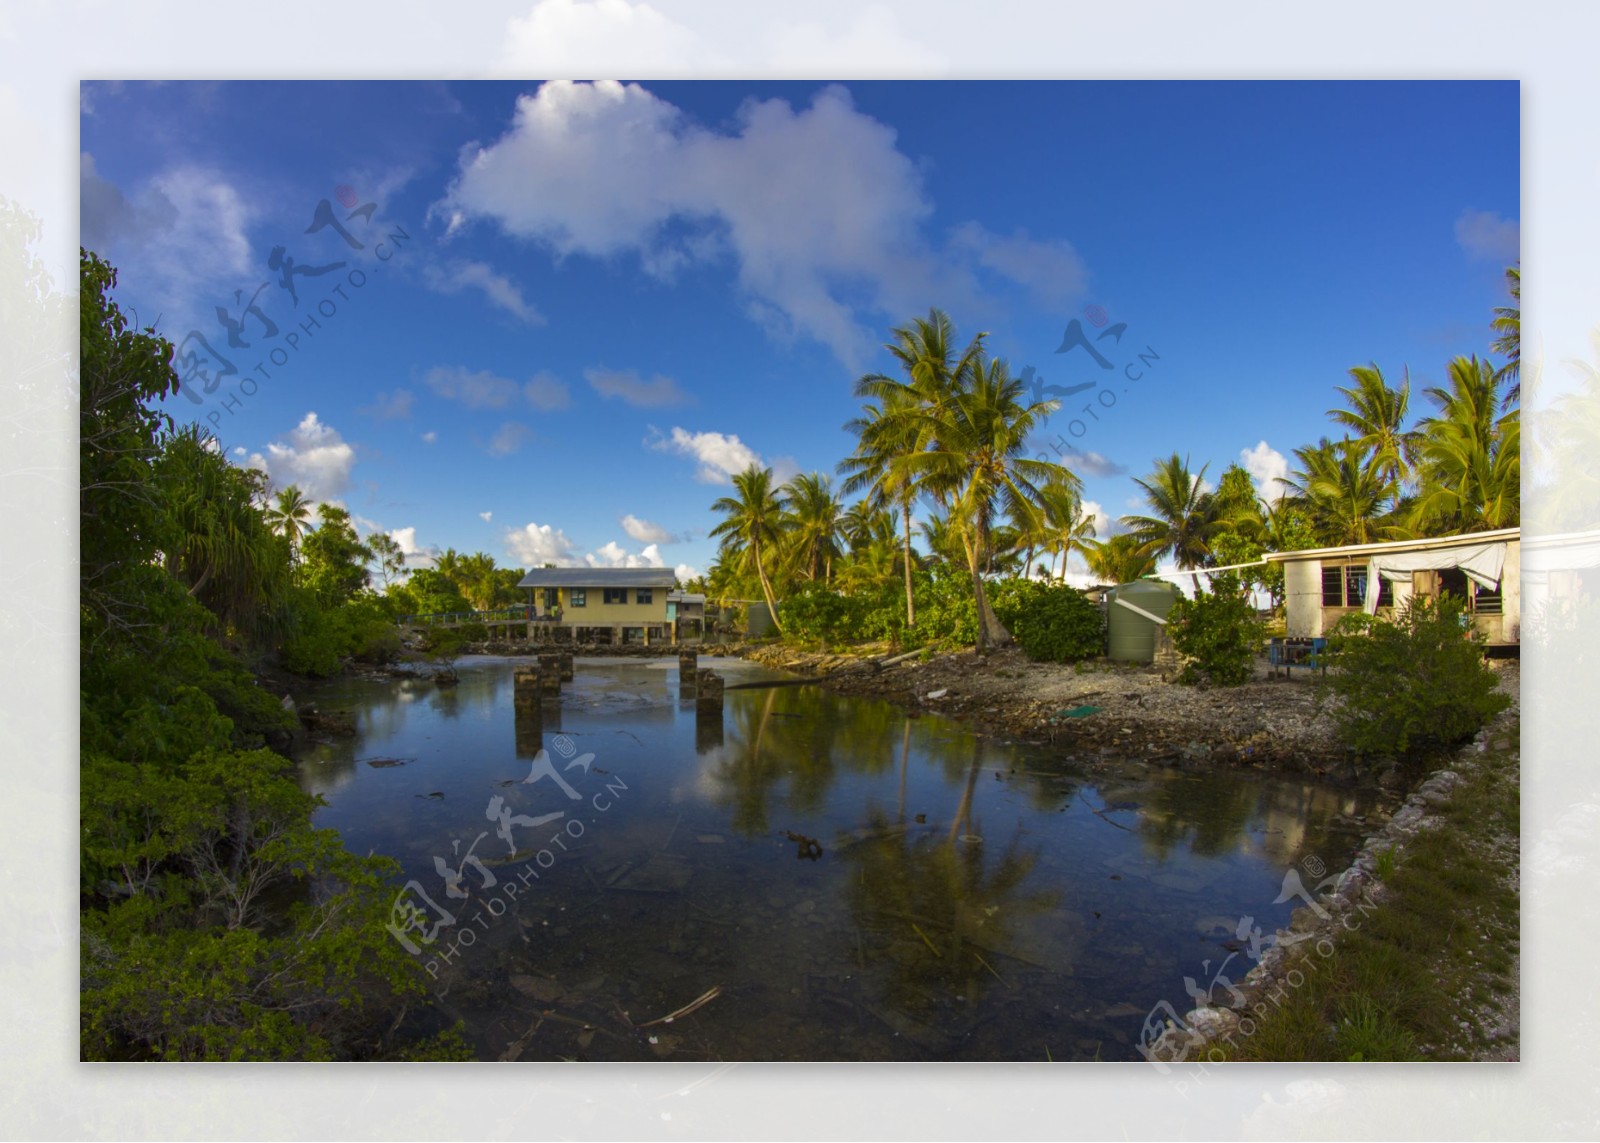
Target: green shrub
1219	631
1416	682
1051	622
818	612
323	637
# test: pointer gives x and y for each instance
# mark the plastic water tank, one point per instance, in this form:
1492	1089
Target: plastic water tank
1131	636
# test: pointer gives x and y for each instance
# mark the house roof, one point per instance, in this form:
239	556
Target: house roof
685	597
1499	535
599	577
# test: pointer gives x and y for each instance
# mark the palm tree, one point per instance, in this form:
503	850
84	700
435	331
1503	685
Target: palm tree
1071	526
1119	559
1345	498
976	459
755	523
448	565
895	428
478	582
1508	324
1470	459
290	516
864	524
812	525
1182	518
1377	415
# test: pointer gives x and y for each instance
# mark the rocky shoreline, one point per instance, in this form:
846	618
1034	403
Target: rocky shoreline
1097	708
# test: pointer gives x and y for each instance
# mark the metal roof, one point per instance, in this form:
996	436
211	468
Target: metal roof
1498	536
685	597
599	577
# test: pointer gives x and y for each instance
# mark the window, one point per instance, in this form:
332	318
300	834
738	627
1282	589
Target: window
616	595
577	597
1355	579
644	595
1485	601
1332	586
552	598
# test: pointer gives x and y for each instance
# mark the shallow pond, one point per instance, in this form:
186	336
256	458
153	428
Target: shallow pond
845	880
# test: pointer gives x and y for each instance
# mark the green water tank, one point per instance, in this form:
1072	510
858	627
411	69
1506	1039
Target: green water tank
1130	635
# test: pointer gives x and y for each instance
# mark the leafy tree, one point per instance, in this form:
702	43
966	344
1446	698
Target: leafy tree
753	525
1470	455
334	560
386	553
1052	622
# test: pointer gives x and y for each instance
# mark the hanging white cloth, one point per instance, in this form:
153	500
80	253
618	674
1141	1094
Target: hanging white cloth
1481	563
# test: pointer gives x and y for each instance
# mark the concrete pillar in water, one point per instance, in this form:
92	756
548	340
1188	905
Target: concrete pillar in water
688	664
527	686
708	691
550	665
564	661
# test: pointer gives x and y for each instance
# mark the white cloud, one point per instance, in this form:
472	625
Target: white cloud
238	451
391	406
546	392
1103	524
314	456
458	274
486	516
646	532
186	228
429	437
416	556
720	456
627	385
818	210
535	545
508	438
1485	235
1267	467
613	555
480	390
685	573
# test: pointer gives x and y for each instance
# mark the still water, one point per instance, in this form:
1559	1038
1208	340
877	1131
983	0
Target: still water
973	898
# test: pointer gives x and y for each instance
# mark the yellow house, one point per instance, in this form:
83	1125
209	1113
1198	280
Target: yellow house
600	605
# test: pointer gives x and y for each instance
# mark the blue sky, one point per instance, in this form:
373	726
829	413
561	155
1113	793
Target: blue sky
576	308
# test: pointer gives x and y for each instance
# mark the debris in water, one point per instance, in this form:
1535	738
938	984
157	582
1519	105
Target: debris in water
809	847
378	763
694	1006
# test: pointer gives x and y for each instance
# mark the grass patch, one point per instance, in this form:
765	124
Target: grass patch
1399	983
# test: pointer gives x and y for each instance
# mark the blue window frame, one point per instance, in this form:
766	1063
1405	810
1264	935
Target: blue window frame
644	595
577	597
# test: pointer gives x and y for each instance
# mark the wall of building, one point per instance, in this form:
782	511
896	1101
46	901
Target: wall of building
1302	595
597	613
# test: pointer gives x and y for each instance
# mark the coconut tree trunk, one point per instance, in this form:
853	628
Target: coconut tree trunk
766	588
911	606
991	632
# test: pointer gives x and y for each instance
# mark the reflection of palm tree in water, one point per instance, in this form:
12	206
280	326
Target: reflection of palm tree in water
935	911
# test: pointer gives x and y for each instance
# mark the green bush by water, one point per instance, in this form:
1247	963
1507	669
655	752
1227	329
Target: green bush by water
1219	631
1413	683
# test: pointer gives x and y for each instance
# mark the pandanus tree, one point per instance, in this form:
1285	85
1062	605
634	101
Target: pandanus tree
754	524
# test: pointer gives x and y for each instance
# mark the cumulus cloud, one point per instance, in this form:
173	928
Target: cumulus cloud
313	456
613	555
546	392
186	225
1267	467
1486	236
390	406
646	532
416	556
686	572
615	36
429	437
720	456
817	209
508	438
1084	463
626	385
475	390
452	276
535	545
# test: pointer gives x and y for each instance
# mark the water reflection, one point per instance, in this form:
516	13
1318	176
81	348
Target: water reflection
973	899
